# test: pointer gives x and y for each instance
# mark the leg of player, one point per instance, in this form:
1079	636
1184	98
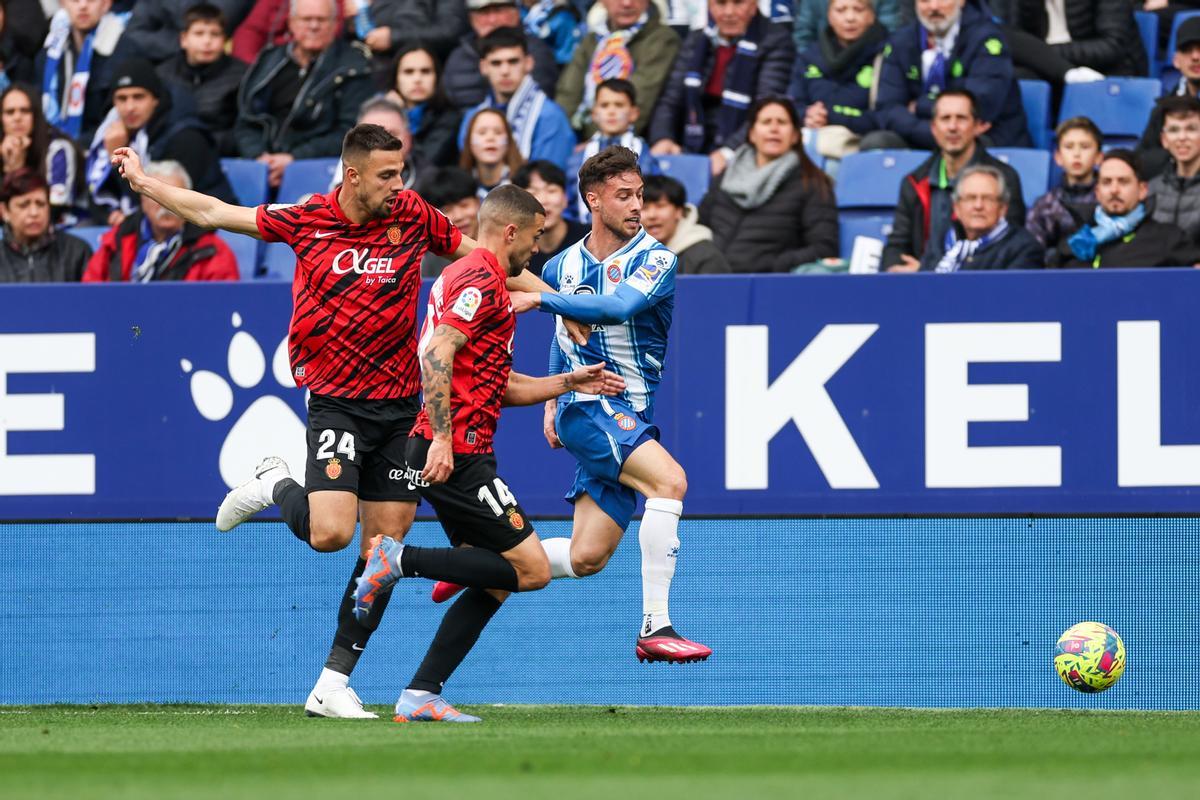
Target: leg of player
652	472
332	695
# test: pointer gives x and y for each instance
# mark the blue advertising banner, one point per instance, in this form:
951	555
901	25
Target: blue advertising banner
1056	393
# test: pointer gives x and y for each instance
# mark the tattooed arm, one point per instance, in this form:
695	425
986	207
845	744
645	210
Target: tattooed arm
437	370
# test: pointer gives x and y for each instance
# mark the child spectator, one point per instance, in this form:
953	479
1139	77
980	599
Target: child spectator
1078	153
614	114
1176	190
209	75
490	155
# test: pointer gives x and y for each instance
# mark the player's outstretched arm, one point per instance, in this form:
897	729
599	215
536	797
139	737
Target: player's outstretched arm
437	372
609	309
526	390
198	209
528	282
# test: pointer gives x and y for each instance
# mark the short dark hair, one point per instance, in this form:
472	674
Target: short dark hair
608	163
664	187
548	171
1079	124
500	39
509	205
621	86
967	93
205	12
1179	105
1129	157
447	186
362	140
22	181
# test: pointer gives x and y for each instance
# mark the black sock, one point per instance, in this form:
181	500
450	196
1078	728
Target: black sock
293	502
455	637
466	566
352	636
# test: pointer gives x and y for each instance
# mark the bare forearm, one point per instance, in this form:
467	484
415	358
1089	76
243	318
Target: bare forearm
527	282
526	390
197	208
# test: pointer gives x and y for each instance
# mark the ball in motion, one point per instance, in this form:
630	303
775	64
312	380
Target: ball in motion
1089	657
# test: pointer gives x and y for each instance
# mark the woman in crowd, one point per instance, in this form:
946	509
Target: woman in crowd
29	142
431	118
491	154
773	209
834	77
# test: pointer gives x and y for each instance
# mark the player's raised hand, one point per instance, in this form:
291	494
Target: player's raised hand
594	379
523	301
439	462
129	164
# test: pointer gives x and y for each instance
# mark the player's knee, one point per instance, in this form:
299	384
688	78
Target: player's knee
672	484
534	577
326	538
588	561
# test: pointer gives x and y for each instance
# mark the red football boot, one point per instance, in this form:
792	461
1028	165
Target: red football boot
667	645
443	591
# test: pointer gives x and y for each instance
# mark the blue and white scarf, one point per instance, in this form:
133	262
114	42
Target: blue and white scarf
153	256
959	250
523	111
68	116
611	59
593	146
99	165
738	89
1088	239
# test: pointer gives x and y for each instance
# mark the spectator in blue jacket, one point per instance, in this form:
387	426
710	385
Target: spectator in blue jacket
540	127
810	19
833	78
719	72
954	44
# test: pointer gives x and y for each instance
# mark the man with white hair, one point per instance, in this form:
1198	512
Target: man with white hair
953	44
155	244
299	99
979	236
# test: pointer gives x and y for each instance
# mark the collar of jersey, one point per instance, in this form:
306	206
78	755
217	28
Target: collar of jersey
491	260
632	242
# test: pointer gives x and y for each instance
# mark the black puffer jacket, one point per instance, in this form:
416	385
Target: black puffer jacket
1177	201
1016	249
325	108
55	258
1104	35
214	90
796	225
1152	244
436	22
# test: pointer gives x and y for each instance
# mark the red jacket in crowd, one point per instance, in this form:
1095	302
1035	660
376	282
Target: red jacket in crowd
202	256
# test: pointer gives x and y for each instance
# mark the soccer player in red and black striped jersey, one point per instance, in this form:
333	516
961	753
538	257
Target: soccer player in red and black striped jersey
466	361
353	345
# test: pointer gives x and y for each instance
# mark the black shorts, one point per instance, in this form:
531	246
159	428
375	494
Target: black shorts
475	506
358	446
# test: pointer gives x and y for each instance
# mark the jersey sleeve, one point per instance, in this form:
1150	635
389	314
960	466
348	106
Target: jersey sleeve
279	222
471	302
550	271
444	238
654	277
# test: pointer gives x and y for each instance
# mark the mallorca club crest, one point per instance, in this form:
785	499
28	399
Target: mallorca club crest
515	519
393	234
333	470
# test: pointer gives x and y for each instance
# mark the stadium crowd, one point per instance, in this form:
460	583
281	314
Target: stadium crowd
746	116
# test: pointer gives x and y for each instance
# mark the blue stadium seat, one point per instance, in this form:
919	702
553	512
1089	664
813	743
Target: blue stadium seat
1032	165
1120	107
871	179
245	249
306	176
279	262
1147	22
1035	97
248	179
1178	20
852	225
90	234
689	169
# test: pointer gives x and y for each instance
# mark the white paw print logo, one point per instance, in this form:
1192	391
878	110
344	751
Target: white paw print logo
268	427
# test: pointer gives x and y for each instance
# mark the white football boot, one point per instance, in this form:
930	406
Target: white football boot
338	703
251	497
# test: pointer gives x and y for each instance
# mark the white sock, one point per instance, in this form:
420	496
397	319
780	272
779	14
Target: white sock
660	546
268	482
559	552
332	680
417	692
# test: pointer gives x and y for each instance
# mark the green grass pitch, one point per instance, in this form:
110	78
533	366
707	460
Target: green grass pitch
565	752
